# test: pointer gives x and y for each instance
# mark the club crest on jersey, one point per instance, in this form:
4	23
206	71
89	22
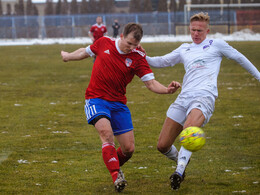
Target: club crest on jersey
128	62
206	47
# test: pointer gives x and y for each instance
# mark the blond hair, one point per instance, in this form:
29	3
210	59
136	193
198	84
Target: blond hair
202	17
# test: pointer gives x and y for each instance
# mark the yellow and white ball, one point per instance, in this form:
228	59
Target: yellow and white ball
192	138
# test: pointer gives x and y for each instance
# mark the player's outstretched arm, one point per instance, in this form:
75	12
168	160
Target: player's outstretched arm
157	87
78	54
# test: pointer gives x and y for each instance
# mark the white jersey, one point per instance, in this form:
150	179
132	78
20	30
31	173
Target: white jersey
202	65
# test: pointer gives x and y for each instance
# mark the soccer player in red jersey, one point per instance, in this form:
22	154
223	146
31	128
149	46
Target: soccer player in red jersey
97	30
117	61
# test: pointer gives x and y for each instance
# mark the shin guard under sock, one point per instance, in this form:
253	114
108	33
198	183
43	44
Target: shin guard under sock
111	159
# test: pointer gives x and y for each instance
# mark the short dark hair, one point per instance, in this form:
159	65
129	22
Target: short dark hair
135	28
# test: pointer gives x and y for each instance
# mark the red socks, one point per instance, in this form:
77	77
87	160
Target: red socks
122	157
110	158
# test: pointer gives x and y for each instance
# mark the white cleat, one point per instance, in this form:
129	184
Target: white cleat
120	182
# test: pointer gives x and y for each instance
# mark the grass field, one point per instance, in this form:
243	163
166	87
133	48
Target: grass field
46	146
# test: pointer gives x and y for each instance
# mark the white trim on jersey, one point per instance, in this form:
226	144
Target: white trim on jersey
117	47
99	26
88	50
147	77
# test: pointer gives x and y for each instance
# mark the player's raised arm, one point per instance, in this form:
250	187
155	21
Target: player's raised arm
78	54
234	54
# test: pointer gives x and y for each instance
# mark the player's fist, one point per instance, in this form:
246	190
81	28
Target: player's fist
173	86
64	55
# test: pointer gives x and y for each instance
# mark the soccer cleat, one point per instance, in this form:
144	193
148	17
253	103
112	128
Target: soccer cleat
120	182
176	179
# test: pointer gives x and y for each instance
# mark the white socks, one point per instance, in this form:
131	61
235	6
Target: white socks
183	159
172	154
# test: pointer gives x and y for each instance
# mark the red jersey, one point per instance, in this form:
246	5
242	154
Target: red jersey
113	70
98	31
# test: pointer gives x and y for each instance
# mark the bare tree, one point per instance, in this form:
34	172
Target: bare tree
74	7
105	6
162	6
29	8
58	8
110	5
92	6
134	6
1	9
101	8
84	7
48	8
147	7
8	9
19	8
35	10
64	7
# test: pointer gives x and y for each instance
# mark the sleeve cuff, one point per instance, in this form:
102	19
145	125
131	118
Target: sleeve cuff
147	77
88	50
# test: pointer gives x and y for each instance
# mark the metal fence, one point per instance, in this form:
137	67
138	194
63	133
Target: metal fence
67	26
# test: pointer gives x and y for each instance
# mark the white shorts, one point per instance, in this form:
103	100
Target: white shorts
179	110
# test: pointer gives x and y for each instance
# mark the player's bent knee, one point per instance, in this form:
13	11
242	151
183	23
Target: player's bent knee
162	148
128	151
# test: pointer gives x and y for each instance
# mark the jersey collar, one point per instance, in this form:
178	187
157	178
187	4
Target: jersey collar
203	42
117	47
99	26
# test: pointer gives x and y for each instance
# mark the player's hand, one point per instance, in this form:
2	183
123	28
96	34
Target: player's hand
173	87
64	55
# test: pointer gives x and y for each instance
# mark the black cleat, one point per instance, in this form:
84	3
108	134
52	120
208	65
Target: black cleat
176	179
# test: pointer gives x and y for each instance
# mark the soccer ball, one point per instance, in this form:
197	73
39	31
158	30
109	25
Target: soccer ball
192	138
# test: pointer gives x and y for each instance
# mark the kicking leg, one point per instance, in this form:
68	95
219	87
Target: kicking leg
169	132
195	118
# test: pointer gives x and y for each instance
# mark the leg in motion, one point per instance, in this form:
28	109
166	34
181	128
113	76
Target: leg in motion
169	132
124	152
195	118
109	152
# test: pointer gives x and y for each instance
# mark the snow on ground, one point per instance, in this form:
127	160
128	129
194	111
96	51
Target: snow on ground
245	35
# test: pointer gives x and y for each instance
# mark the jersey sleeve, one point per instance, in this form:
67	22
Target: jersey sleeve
92	50
169	59
233	54
143	70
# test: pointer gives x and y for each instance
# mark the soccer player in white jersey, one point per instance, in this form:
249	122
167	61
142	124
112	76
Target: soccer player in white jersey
195	104
118	60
